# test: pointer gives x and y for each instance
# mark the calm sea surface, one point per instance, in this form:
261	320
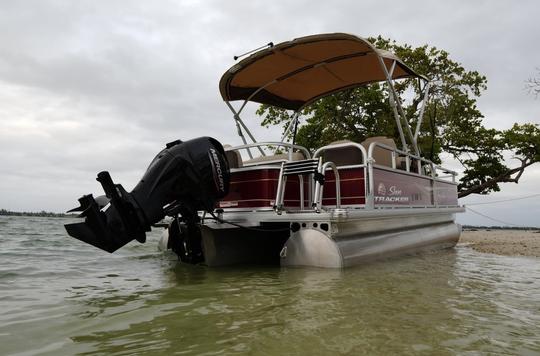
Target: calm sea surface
61	297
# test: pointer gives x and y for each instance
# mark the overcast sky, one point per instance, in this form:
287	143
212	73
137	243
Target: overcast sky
87	86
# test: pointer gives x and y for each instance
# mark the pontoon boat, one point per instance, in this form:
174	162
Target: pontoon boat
344	204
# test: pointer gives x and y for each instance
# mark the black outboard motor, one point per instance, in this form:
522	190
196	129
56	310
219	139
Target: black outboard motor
183	178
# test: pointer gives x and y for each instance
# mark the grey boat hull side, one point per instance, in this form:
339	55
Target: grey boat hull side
332	240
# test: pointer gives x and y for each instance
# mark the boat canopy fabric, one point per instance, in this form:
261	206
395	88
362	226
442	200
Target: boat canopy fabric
295	73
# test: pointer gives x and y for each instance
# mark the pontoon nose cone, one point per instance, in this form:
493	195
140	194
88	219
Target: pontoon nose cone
311	247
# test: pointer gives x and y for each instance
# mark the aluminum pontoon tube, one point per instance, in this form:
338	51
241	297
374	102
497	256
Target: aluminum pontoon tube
316	248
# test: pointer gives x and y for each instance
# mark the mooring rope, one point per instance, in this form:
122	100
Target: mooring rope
490	218
504	200
247	227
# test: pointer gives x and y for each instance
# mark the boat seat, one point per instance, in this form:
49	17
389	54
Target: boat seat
234	158
277	158
342	156
382	157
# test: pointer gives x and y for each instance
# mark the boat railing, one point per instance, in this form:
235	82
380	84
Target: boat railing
398	161
319	185
411	163
319	152
297	168
343	160
270	158
358	163
314	168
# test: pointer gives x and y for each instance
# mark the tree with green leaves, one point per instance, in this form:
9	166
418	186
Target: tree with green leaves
452	122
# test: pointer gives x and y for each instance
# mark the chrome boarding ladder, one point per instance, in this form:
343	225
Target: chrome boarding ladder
316	169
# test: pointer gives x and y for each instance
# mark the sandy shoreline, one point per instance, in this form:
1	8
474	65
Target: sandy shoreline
503	242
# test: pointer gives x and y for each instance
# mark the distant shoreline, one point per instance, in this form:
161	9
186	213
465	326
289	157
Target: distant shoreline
475	228
47	214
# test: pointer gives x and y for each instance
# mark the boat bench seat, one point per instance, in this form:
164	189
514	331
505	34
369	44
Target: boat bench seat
351	155
382	156
277	158
234	158
342	156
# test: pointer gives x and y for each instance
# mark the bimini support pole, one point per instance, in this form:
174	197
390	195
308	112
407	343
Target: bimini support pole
290	125
293	122
422	110
238	128
408	127
393	104
397	104
241	123
239	120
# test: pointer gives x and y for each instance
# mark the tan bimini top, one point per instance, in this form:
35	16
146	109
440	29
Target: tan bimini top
295	73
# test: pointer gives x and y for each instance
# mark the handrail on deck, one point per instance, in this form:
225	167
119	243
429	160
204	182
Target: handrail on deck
247	146
314	168
319	186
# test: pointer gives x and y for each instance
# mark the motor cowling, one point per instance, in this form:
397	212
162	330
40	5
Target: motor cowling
183	178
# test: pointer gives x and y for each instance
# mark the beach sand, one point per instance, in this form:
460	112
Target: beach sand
503	242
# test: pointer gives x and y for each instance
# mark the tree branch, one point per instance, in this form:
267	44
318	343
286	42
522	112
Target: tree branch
533	85
450	148
503	178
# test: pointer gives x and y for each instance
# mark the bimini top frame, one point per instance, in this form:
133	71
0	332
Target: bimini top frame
294	74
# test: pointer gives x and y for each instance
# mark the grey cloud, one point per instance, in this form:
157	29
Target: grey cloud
92	85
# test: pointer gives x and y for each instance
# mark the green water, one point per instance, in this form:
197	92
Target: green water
60	297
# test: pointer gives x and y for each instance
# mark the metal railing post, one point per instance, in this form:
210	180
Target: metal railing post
316	203
370	198
279	191
301	181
